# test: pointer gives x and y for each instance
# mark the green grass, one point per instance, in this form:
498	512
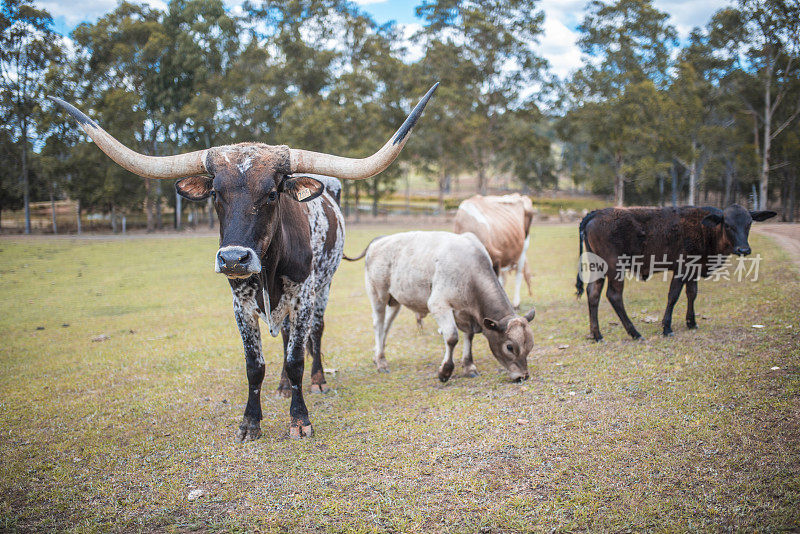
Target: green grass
694	432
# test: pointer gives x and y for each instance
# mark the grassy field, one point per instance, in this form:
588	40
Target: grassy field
695	432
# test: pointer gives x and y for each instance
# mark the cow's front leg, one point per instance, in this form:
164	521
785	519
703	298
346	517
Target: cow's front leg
284	387
447	324
300	425
466	360
246	312
691	294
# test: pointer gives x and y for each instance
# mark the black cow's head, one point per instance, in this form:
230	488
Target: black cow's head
249	181
733	225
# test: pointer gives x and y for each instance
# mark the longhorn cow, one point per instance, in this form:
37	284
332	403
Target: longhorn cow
281	240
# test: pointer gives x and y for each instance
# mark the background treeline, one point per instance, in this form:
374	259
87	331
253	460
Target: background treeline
645	120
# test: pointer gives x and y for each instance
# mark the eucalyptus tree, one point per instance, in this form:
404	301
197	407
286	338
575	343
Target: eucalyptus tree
494	41
627	44
112	72
763	39
28	46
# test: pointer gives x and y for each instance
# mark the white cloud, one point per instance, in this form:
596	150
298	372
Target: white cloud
559	46
73	13
689	14
415	51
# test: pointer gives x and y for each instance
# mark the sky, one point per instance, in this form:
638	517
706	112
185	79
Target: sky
557	44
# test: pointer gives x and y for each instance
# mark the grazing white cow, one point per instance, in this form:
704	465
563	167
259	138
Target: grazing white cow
502	223
449	276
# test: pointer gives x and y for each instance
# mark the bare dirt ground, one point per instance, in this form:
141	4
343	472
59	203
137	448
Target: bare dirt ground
787	235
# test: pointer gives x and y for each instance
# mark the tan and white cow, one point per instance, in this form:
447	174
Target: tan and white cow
502	223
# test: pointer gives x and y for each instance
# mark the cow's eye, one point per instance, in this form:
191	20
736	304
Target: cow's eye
510	347
272	195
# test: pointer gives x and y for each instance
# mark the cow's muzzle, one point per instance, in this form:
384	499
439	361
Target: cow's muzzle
742	251
237	262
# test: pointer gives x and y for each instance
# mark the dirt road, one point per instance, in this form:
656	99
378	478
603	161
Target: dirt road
787	235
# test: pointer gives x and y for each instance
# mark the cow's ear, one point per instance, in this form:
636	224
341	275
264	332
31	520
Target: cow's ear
194	187
762	215
530	315
712	220
302	188
491	325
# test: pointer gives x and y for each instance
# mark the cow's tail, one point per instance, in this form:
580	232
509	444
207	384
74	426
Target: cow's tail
581	239
345	256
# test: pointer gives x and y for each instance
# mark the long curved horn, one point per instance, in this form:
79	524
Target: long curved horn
359	169
158	167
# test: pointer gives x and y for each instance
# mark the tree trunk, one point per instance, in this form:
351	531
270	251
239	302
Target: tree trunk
792	194
730	169
149	207
53	206
26	189
408	192
346	197
479	165
356	200
113	219
763	181
178	207
692	183
375	197
661	190
440	197
78	215
674	172
619	182
159	221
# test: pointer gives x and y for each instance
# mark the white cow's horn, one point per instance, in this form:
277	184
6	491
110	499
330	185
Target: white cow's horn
158	167
359	169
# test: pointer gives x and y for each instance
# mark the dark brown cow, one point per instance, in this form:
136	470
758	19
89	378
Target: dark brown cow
281	240
665	239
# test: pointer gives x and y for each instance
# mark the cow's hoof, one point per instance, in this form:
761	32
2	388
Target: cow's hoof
668	332
299	429
598	338
249	430
318	384
284	390
691	325
636	336
382	365
445	372
471	372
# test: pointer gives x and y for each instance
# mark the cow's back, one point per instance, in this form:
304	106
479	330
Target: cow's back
499	223
411	265
660	234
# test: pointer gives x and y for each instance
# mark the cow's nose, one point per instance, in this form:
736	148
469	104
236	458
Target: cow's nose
236	261
742	251
520	378
230	257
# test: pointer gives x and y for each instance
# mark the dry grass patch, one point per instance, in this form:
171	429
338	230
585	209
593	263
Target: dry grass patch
694	432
